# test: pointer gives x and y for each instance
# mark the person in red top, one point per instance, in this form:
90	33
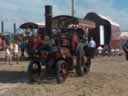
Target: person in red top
36	41
75	41
1	43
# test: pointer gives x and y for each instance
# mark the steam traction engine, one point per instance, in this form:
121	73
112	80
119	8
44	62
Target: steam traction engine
64	49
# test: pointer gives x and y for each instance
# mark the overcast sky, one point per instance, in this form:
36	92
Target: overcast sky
21	11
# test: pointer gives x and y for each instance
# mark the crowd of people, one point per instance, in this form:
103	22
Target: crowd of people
12	52
13	47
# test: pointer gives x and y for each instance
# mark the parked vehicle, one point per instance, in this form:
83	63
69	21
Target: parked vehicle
69	52
59	60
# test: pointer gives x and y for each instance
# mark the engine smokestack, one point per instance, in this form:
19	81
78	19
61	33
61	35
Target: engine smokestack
48	19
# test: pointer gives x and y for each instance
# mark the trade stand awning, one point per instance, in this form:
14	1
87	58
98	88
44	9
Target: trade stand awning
64	21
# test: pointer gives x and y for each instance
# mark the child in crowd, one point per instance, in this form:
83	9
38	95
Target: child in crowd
8	56
16	51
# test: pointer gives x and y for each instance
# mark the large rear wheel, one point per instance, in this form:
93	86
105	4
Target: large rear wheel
81	67
83	61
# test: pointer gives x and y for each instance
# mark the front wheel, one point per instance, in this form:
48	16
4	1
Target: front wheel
61	71
34	71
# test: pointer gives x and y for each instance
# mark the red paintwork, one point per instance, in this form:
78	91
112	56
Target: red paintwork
1	43
36	41
115	39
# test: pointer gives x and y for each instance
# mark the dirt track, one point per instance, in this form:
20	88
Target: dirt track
108	77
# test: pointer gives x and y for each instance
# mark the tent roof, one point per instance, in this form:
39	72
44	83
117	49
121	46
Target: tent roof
92	14
112	22
124	34
32	25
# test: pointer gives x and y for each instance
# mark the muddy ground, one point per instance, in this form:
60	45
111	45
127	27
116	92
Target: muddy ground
108	77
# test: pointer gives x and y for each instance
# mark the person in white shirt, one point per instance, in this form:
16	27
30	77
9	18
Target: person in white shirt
16	51
92	46
8	56
16	48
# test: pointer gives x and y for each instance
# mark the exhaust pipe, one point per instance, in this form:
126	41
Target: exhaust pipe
48	20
